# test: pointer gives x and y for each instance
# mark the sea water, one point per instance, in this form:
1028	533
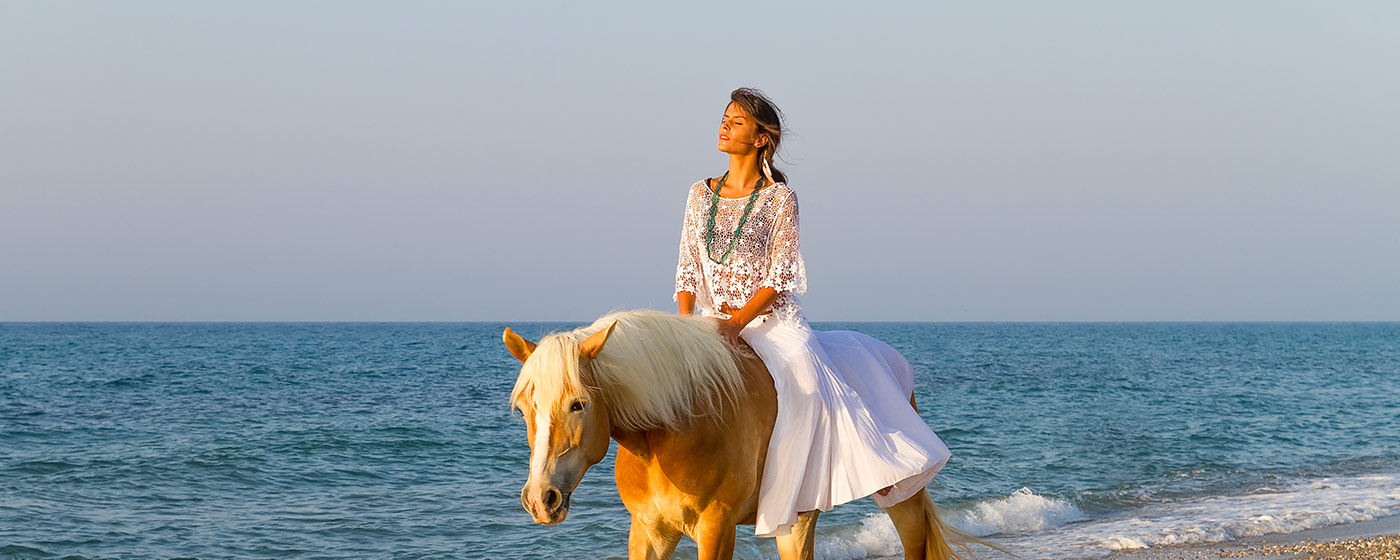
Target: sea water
394	440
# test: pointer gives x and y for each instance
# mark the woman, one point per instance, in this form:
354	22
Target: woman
845	429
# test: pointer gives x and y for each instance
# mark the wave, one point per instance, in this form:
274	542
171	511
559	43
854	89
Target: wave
1037	526
1021	512
1294	507
875	538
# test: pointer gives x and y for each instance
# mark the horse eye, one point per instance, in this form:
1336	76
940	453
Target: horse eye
576	406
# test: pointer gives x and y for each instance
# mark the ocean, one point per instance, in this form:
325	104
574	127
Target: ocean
394	440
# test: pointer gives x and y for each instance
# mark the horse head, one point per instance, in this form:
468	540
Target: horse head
566	421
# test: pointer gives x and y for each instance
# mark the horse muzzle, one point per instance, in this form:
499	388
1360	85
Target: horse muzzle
548	507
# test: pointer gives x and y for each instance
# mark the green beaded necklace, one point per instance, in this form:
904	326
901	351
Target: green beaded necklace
714	209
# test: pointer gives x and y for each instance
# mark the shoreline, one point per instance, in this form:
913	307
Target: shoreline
1374	539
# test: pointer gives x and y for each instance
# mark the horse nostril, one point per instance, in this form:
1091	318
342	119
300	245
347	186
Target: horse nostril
551	499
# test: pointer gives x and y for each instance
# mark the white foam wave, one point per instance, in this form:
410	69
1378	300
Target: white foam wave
1036	526
1021	512
875	538
1305	505
1287	508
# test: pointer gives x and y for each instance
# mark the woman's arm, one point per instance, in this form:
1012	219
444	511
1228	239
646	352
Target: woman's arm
756	306
740	318
688	269
786	271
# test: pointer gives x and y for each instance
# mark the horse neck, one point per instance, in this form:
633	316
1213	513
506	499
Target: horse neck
642	443
694	461
756	404
634	441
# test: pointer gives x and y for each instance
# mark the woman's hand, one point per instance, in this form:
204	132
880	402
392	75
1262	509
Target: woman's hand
729	329
685	303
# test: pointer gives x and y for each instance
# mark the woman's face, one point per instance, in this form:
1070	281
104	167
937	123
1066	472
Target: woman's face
738	132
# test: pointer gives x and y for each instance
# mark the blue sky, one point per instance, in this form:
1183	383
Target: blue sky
333	161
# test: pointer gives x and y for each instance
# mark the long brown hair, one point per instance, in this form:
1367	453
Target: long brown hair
770	124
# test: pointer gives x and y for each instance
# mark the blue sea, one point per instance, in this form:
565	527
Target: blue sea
394	440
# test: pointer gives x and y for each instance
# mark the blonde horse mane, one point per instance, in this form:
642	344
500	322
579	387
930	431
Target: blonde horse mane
656	370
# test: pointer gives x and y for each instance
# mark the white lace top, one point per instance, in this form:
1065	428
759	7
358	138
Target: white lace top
766	254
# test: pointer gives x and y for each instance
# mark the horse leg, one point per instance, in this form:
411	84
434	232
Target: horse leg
647	541
908	518
800	544
714	537
920	529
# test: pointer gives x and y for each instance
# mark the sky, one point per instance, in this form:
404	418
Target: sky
529	161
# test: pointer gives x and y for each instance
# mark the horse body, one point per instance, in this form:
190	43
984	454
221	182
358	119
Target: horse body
695	474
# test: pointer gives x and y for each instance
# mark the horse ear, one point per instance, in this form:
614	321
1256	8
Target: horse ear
519	347
591	346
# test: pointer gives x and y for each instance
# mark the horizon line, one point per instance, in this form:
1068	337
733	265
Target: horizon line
586	321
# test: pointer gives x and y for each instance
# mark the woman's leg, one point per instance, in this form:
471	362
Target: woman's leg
800	417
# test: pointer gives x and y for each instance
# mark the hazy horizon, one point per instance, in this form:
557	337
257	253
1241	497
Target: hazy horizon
589	320
328	162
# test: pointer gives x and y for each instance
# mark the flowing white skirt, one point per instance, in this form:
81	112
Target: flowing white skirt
844	429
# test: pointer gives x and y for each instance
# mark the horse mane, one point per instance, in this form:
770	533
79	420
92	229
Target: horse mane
656	370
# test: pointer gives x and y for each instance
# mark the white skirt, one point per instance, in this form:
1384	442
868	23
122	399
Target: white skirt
844	429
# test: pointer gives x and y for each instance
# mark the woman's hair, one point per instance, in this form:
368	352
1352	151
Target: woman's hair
770	124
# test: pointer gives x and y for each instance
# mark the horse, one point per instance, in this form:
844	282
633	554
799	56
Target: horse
692	416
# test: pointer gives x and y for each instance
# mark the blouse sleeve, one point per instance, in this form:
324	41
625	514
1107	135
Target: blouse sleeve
688	265
786	272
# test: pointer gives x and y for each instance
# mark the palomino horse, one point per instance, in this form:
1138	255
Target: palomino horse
692	417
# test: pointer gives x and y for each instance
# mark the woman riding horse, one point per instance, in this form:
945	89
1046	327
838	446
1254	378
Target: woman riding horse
844	430
710	436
